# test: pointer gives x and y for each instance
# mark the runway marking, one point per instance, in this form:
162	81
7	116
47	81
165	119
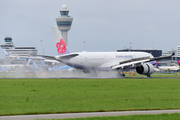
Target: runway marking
81	115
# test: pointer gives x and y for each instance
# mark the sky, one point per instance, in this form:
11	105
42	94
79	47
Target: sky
104	25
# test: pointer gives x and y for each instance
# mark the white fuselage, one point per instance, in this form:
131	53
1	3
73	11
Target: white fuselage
103	59
168	68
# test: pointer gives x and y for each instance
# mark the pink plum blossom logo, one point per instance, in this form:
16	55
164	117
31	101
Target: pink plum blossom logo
61	46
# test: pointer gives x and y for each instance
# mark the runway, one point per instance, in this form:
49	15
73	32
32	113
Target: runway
90	78
80	115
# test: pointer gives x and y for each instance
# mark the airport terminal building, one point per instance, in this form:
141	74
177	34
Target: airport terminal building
15	51
155	53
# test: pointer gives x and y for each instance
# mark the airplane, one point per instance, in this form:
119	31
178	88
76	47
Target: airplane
102	61
175	67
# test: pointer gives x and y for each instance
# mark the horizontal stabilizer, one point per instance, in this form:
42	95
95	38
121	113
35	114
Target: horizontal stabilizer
47	57
68	56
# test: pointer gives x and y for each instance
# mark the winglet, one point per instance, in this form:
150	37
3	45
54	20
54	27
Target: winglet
34	64
6	53
173	52
178	62
42	61
28	61
10	55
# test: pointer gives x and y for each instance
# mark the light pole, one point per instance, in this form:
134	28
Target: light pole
41	46
84	44
130	45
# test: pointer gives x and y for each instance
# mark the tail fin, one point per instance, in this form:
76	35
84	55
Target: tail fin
7	54
156	63
42	61
178	62
60	44
28	61
34	64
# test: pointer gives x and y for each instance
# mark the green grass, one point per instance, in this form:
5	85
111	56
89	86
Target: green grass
38	96
174	116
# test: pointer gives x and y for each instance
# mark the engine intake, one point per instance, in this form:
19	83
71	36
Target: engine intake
145	69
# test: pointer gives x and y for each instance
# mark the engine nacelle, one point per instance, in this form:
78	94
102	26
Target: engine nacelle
145	69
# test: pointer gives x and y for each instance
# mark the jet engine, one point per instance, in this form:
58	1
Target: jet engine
145	69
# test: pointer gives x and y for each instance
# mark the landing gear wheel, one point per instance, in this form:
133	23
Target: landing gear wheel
149	76
123	75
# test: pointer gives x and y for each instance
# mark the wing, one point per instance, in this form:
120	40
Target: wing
135	61
66	56
45	57
138	61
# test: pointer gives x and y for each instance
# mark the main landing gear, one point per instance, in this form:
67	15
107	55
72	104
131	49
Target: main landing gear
120	72
149	76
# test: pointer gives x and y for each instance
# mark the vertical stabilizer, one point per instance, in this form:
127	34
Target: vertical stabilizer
7	54
56	34
178	62
153	63
42	61
60	44
157	64
28	61
34	64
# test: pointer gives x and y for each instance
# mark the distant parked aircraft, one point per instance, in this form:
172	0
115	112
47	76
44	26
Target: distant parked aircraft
175	67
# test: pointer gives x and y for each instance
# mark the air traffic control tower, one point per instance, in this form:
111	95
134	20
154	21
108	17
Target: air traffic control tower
64	23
